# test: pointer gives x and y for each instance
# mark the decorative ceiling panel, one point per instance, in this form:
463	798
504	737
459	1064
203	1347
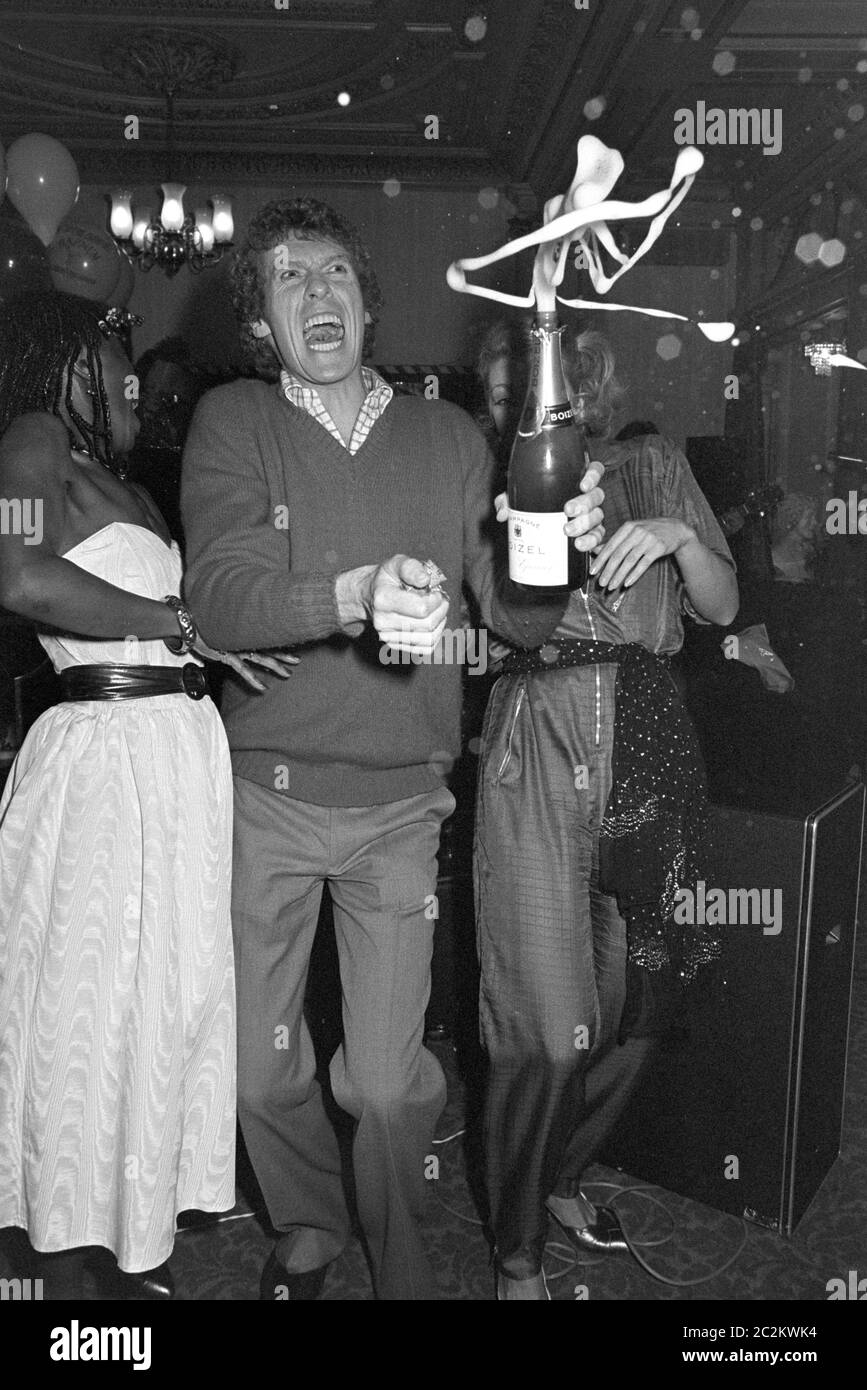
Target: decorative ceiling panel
440	94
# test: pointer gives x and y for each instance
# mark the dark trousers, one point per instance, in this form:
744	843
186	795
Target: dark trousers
380	863
552	951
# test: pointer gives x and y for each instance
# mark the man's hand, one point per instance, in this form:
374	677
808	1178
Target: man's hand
635	546
584	513
397	599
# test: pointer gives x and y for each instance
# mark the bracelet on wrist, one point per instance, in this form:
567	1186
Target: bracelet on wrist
188	634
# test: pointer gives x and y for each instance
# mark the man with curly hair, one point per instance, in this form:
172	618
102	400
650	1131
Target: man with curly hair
293	490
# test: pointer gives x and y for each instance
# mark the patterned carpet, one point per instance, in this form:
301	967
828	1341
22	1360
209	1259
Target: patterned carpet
731	1259
223	1261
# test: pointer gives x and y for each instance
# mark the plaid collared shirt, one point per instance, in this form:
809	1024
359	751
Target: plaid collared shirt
379	393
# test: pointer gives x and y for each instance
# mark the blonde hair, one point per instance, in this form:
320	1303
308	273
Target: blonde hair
504	338
589	365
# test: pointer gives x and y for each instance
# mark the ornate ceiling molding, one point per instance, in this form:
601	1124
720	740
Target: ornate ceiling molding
216	83
330	13
170	60
239	167
551	51
256	92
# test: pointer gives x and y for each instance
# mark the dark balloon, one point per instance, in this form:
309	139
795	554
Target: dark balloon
23	259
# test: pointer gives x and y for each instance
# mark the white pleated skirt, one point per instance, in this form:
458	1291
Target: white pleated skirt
117	1025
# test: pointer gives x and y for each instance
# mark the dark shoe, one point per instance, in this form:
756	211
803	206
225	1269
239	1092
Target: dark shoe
281	1286
62	1275
151	1284
603	1235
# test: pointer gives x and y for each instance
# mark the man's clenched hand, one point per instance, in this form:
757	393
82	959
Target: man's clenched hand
397	599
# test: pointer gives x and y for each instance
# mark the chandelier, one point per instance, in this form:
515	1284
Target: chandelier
175	238
822	356
168	60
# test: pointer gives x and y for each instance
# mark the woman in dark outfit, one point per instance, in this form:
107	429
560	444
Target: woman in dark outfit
589	805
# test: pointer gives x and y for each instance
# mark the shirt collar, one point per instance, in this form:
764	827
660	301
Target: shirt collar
302	393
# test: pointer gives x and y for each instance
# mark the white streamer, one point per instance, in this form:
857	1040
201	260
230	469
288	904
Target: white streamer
582	215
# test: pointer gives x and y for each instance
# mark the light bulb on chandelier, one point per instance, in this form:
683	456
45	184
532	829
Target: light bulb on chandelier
175	238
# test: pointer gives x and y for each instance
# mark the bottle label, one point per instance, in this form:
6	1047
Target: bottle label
556	416
538	549
537	417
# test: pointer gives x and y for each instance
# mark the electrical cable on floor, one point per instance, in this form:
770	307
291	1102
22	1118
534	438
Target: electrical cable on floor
566	1253
219	1220
620	1191
470	1220
457	1134
556	1250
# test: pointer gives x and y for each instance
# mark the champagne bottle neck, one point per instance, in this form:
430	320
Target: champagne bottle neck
547	404
550	384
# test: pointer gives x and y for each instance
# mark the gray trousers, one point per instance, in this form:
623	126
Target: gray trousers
552	950
380	863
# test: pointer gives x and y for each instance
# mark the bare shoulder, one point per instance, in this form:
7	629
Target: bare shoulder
38	426
35	446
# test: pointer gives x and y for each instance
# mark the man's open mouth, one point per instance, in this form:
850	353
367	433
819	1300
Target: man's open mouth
323	332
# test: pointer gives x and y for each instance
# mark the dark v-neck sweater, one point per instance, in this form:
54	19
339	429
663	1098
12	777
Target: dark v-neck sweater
274	508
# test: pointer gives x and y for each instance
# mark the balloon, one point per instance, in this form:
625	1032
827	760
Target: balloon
126	283
23	261
84	261
42	182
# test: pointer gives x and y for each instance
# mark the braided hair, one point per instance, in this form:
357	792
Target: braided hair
42	335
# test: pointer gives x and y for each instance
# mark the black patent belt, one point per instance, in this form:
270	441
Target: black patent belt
133	682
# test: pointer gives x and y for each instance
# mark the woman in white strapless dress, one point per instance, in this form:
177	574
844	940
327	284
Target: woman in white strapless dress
117	1028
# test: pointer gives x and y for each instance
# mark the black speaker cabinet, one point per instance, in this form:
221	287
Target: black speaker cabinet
720	470
746	1112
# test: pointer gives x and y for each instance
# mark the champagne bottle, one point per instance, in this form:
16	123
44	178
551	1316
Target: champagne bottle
548	460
